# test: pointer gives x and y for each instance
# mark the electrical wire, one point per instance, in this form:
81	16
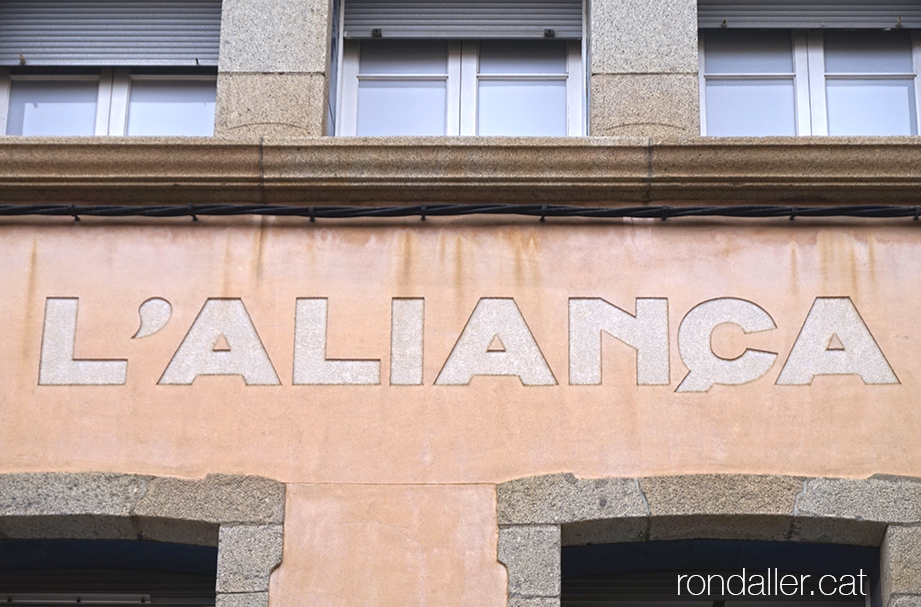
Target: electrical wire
542	211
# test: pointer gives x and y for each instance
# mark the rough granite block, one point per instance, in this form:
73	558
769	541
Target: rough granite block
245	599
275	36
70	494
270	105
563	498
837	531
247	554
900	562
218	498
643	36
886	499
608	531
517	601
531	554
644	105
68	527
729	527
182	532
905	600
721	494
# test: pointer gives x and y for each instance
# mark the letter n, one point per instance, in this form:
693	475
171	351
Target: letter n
647	333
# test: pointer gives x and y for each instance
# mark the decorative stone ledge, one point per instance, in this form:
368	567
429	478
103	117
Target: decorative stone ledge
533	512
350	170
242	516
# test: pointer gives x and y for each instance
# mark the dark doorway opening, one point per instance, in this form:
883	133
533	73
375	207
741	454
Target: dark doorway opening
720	573
106	572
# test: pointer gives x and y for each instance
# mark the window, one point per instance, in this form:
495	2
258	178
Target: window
815	67
108	102
461	68
836	82
130	68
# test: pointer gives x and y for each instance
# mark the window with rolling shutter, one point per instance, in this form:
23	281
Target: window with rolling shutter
107	67
809	68
461	68
794	14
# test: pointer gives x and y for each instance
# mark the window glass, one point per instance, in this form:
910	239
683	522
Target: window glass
750	108
810	82
871	107
748	52
522	57
179	107
460	87
401	107
403	57
868	52
58	107
522	108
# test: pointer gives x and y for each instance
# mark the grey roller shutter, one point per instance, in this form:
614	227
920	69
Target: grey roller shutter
109	32
462	19
863	14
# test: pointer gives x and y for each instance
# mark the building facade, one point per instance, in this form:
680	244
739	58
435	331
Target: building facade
444	298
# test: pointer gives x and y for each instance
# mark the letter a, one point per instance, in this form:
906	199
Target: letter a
813	354
221	341
473	353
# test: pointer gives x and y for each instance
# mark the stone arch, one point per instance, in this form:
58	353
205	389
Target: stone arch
538	515
243	516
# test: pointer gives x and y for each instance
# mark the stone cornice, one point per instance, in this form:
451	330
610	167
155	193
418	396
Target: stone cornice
594	170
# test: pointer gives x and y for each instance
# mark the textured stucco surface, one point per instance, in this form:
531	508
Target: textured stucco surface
390	545
406	475
495	429
392	495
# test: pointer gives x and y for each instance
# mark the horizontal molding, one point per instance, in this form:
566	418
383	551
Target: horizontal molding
601	171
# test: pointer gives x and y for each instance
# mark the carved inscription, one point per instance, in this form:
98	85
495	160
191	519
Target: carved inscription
495	341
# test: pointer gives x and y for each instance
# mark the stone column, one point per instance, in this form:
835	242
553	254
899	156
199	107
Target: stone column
643	66
531	555
273	68
900	565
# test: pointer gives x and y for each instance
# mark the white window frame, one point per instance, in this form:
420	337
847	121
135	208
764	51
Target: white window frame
114	93
462	80
809	80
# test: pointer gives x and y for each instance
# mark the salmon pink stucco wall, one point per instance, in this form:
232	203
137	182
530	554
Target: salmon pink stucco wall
391	488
